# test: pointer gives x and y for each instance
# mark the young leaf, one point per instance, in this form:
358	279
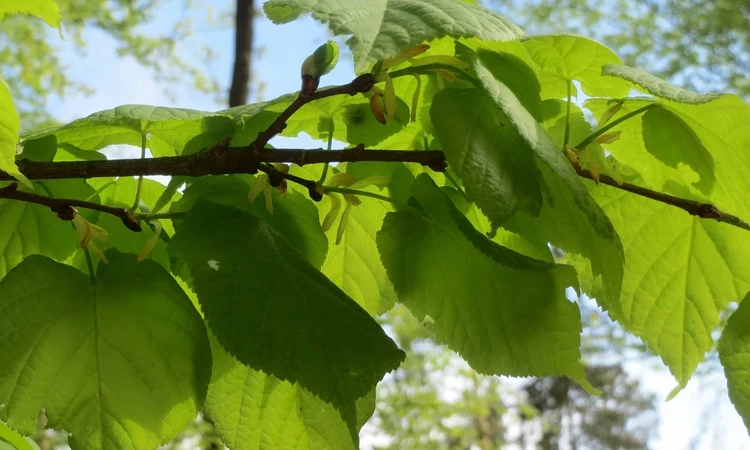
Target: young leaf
562	59
721	126
631	150
172	131
352	120
28	229
495	164
354	265
554	118
253	410
675	285
14	440
518	76
322	61
504	313
44	9
275	312
122	193
570	219
655	86
9	127
734	354
382	29
295	216
673	142
124	364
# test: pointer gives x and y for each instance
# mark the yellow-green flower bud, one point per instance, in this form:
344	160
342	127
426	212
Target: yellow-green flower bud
322	61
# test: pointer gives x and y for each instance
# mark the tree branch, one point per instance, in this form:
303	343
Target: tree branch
702	210
218	160
65	207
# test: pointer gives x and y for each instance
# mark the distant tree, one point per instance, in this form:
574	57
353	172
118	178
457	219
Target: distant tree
415	411
34	69
622	417
693	43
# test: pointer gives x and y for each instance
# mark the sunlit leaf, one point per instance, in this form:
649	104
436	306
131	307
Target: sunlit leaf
562	59
46	10
655	86
272	310
381	29
253	410
9	127
504	313
734	354
125	364
680	273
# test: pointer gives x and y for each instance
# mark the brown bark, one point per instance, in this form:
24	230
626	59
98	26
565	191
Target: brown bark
243	50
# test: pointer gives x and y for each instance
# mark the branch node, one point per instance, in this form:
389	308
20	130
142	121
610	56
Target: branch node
438	166
707	211
275	177
132	223
362	83
66	212
315	193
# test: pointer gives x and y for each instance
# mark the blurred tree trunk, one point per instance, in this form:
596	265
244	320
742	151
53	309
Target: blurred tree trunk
243	50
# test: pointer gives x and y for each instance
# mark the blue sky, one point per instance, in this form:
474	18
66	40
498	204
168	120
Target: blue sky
122	81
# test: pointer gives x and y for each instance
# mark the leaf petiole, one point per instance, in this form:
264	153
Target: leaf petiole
584	143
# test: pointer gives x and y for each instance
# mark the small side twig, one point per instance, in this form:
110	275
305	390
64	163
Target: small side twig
362	83
65	207
702	210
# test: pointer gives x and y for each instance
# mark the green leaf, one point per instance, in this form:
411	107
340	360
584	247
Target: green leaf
44	9
721	126
494	162
516	74
569	219
122	194
630	148
554	118
734	354
28	229
124	364
9	127
253	118
295	216
562	59
171	131
655	86
680	272
520	244
504	313
275	312
354	264
352	118
39	150
16	441
253	410
673	142
381	29
322	61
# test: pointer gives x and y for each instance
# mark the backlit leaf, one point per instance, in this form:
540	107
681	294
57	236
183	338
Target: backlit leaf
561	59
381	29
504	313
124	364
273	311
734	353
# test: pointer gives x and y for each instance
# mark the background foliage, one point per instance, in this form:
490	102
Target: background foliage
655	157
